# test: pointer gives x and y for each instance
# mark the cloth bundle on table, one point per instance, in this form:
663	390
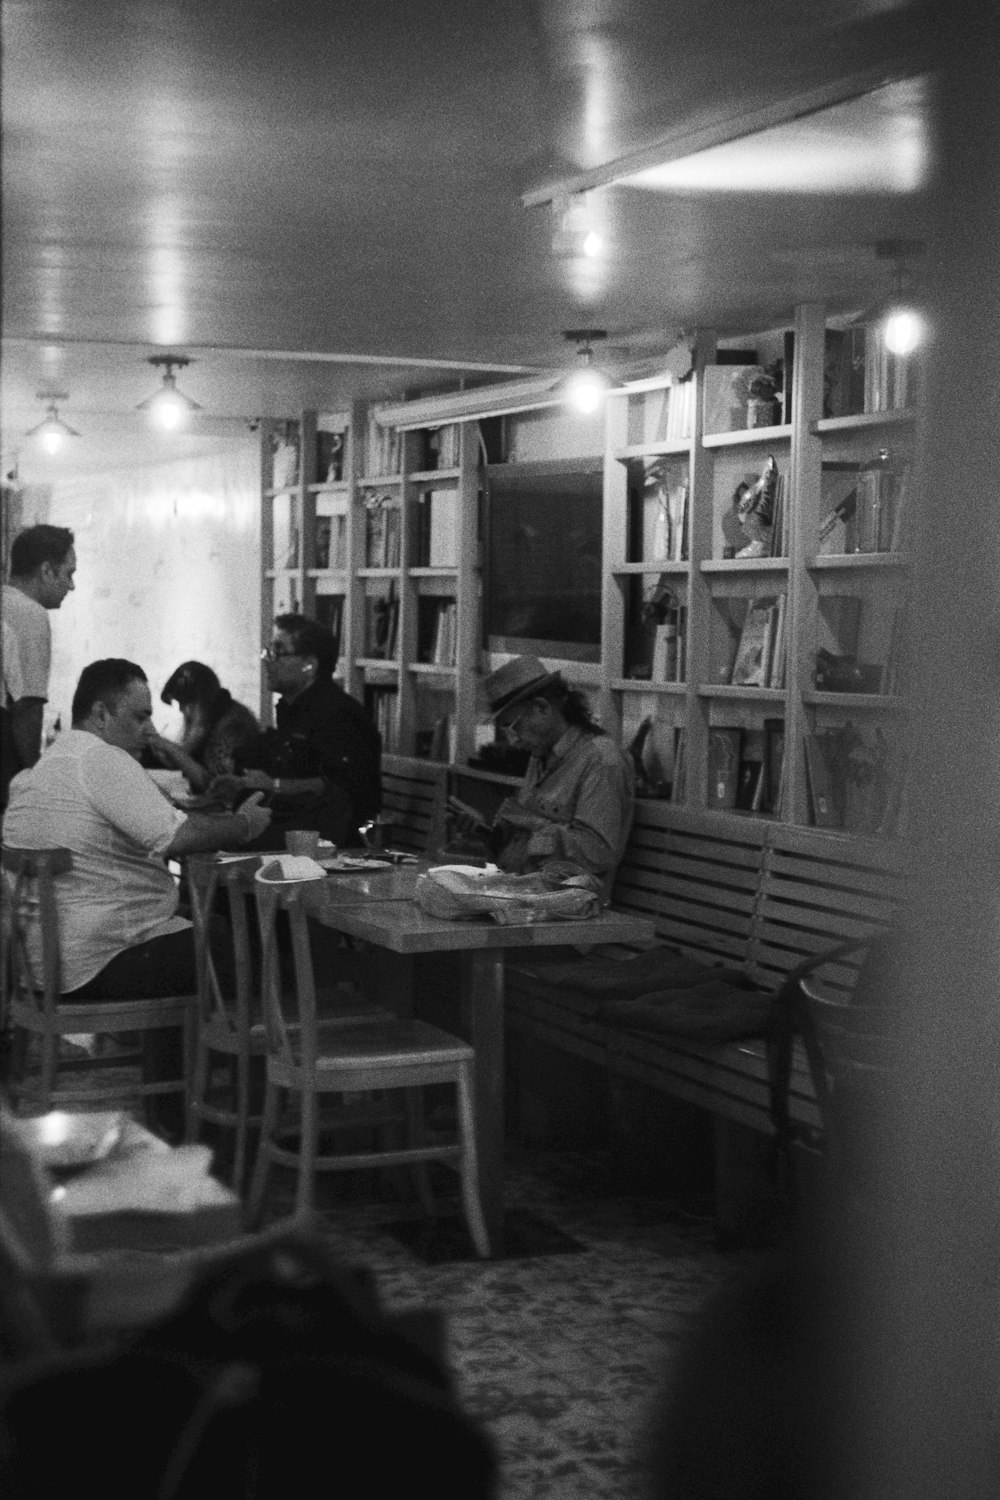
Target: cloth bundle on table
453	892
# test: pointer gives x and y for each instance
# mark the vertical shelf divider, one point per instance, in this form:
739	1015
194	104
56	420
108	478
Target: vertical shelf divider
696	709
806	499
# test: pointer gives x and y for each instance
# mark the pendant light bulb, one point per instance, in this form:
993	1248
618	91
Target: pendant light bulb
904	330
168	407
51	433
586	388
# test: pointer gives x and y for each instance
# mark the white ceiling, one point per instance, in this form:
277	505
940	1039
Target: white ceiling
323	201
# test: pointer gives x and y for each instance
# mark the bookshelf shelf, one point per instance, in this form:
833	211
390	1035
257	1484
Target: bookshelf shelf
336	487
671	447
744	565
741	694
644	685
855	562
650	570
856	702
750	437
378	573
430	669
428	572
433	476
862	421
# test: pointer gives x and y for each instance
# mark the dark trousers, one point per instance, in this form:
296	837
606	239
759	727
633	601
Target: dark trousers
158	967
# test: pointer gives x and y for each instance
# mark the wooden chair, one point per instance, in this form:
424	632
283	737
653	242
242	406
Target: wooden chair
229	1025
849	1040
36	1018
378	1056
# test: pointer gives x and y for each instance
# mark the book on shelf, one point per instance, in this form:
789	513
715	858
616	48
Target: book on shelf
381	705
437	632
329	457
774	765
820	784
382	532
723	766
381	622
439	448
753	655
382	450
678	784
329	611
896	673
750	783
437	529
331	535
778	652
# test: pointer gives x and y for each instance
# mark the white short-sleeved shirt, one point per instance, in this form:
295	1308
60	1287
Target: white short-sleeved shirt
98	802
27	647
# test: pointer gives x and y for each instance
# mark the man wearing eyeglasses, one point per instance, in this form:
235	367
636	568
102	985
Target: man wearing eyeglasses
573	812
320	768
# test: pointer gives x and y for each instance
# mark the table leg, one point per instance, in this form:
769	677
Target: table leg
482	993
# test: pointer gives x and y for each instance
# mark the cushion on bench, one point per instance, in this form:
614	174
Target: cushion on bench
716	1010
661	968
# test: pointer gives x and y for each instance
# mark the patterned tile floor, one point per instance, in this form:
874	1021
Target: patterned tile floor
563	1356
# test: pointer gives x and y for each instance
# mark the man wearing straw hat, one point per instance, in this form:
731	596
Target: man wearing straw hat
573	812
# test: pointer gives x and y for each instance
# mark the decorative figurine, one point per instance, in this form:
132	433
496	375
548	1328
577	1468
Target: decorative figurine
755	509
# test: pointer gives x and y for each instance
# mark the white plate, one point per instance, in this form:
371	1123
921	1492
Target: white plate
65	1140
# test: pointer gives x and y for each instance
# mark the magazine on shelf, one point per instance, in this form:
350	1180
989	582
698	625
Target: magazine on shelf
753	656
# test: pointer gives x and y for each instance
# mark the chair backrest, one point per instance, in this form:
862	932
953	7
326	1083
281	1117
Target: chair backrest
209	877
31	959
850	1042
289	994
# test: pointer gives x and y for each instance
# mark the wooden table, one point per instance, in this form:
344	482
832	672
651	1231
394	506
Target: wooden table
385	916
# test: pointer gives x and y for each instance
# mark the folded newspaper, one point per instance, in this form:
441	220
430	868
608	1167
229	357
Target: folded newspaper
455	892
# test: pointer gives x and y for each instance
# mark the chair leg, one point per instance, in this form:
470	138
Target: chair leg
470	1164
308	1150
414	1105
197	1092
263	1162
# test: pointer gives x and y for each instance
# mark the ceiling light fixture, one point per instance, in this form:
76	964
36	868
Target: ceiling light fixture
586	388
52	432
576	226
902	321
168	407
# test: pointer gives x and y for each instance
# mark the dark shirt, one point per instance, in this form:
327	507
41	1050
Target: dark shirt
323	732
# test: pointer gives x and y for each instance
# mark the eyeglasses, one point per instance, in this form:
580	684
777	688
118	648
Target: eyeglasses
275	653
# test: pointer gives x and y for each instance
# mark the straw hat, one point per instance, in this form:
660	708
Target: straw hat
521	677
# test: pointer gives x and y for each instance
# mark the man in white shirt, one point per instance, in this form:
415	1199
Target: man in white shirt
42	564
121	935
120	931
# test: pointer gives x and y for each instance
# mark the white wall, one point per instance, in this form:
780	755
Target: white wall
167	571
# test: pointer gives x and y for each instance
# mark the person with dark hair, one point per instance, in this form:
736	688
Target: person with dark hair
214	726
573	812
120	932
321	767
42	564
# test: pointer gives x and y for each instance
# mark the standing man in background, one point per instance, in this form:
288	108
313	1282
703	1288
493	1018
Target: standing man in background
42	564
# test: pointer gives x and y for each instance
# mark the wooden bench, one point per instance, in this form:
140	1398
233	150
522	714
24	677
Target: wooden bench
413	795
744	893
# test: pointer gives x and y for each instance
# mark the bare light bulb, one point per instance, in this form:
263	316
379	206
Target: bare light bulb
593	244
585	390
168	410
904	330
51	438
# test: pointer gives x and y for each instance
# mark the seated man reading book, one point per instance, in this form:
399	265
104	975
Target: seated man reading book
573	811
